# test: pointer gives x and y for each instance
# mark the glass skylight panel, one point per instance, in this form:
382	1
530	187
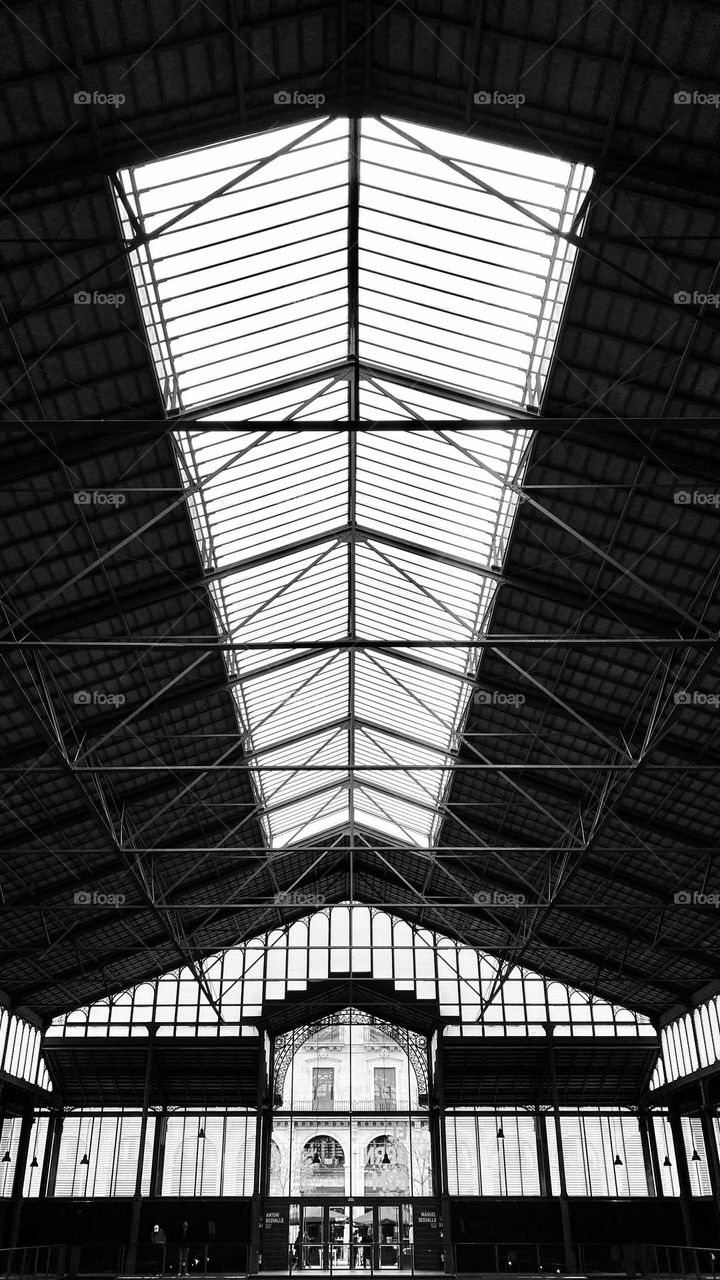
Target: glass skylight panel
301	597
444	490
458	276
307	536
247	284
390	816
462	275
303	820
379	749
420	702
434	510
324	400
326	748
382	399
302	697
262	490
405	592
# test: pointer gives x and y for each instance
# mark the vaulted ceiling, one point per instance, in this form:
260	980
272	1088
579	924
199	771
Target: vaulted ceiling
594	798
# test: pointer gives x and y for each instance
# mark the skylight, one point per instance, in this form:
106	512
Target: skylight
244	257
324	535
367	271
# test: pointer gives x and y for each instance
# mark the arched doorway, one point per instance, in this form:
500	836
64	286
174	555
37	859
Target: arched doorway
351	1125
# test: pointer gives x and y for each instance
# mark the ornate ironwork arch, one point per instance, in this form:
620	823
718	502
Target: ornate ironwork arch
411	1042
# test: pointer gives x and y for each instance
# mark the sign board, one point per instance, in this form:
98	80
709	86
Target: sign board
275	1239
427	1238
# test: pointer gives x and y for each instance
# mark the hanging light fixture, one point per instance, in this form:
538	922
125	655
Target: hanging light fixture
666	1161
201	1133
386	1158
85	1159
695	1155
316	1157
6	1158
34	1162
501	1131
617	1162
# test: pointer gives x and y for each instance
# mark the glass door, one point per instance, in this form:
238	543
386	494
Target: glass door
324	1238
388	1236
382	1237
363	1238
343	1237
339	1237
312	1237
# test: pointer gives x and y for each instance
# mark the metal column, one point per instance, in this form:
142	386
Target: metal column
436	1085
707	1119
682	1172
263	1139
570	1262
137	1197
19	1176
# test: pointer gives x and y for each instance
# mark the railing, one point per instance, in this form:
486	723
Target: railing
34	1260
331	1258
329	1105
604	1259
112	1259
211	1258
610	1261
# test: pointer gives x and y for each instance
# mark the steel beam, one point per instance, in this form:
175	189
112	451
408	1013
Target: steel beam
708	641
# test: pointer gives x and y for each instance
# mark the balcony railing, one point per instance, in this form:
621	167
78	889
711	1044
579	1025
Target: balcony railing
327	1106
605	1261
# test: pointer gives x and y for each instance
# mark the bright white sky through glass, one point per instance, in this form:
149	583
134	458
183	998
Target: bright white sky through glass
317	536
458	286
351	938
274	522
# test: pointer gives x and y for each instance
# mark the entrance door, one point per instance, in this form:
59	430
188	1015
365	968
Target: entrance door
339	1237
383	1237
349	1237
324	1237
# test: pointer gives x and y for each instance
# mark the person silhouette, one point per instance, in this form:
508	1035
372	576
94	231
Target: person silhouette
159	1240
183	1248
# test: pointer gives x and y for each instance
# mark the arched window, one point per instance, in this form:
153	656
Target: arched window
387	1165
320	1167
325	1151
